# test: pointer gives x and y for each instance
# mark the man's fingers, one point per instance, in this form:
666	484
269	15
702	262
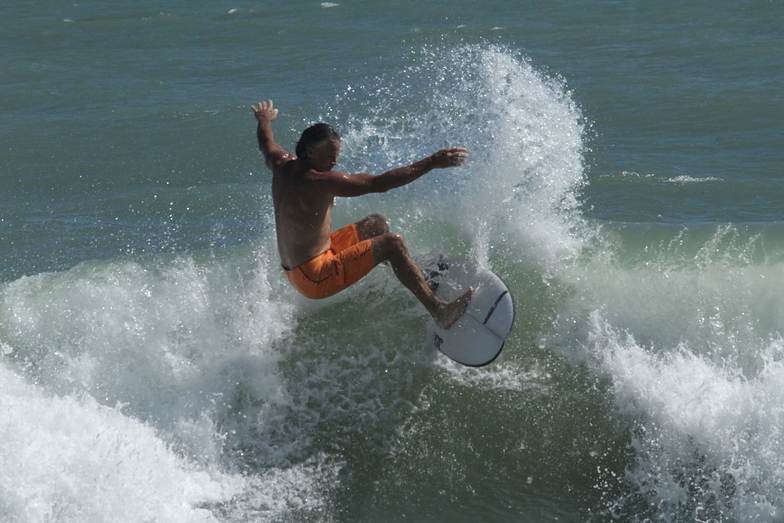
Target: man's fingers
264	108
458	154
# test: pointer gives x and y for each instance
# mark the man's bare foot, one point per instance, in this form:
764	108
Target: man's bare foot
451	312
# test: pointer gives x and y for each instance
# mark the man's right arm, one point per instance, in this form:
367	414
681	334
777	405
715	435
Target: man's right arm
273	153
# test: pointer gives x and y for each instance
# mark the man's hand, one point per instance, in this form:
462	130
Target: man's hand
265	111
449	157
274	155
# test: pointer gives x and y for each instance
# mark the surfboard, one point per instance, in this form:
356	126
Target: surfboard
477	337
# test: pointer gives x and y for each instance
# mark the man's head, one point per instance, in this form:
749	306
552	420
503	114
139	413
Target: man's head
314	137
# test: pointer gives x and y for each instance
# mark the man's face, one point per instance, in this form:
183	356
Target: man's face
325	156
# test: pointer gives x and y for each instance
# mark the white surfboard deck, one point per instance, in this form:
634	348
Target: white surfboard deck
478	336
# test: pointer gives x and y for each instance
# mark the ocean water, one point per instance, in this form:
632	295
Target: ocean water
625	180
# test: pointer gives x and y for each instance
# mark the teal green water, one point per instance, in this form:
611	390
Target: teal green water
624	180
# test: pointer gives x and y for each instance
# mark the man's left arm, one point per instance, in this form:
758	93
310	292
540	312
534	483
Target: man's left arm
342	184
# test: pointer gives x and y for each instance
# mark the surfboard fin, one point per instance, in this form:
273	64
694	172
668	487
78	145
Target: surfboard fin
432	275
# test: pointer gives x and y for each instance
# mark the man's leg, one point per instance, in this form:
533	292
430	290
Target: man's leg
390	246
372	226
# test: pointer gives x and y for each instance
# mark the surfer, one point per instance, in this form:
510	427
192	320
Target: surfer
319	262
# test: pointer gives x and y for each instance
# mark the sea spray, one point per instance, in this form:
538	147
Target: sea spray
523	132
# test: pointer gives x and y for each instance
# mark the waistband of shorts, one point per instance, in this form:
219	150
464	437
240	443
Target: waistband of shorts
306	262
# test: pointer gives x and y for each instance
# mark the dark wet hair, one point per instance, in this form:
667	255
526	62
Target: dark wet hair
314	136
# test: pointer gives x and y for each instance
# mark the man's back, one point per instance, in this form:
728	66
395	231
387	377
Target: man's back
302	213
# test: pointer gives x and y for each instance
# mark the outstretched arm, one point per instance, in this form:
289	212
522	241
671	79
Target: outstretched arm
404	175
362	183
273	153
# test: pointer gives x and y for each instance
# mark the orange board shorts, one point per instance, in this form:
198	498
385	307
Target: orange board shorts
345	262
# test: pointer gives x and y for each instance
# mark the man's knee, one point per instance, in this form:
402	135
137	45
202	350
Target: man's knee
388	245
396	243
372	226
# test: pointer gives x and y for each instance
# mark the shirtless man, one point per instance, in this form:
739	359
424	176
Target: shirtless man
319	262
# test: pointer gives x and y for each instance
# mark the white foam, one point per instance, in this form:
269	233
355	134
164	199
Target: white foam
71	459
150	373
501	376
300	488
708	437
691	179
